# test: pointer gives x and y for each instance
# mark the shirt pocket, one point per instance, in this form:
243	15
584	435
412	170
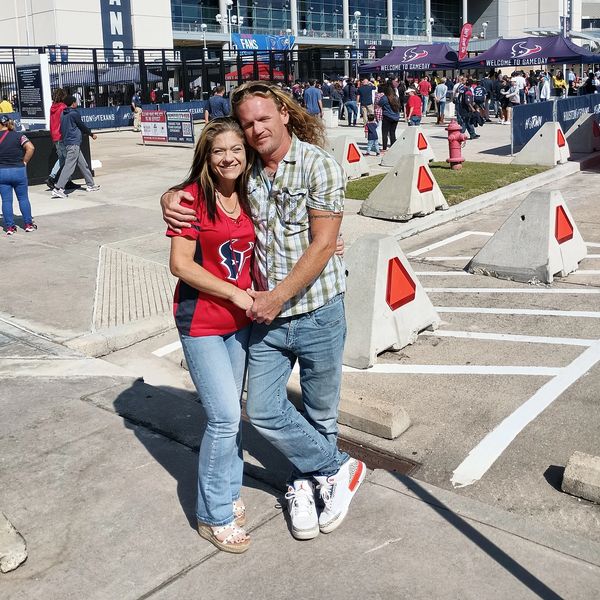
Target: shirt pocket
291	207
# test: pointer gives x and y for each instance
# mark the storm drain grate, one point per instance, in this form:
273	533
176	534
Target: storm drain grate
375	458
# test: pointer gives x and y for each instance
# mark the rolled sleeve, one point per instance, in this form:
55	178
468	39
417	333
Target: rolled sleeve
327	185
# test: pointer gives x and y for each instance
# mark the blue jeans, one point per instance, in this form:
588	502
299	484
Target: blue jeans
414	121
316	340
352	110
373	146
61	153
14	178
217	365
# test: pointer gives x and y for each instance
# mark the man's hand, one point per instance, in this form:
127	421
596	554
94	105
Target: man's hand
177	217
266	306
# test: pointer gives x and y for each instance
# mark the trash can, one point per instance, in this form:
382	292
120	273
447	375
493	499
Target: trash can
330	116
44	157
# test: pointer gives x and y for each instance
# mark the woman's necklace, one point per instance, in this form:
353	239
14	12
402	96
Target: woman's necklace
229	212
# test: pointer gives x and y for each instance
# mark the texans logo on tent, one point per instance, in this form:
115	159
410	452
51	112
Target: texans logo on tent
234	260
411	54
520	50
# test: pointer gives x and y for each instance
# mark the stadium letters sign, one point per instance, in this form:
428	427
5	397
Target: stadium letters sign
117	34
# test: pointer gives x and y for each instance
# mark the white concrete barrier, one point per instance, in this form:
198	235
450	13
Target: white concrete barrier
409	141
346	152
547	147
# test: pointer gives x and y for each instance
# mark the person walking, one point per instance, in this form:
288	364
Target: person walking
313	100
15	153
5	105
365	98
390	110
296	199
56	111
71	129
349	95
217	105
424	87
136	107
441	90
414	107
372	136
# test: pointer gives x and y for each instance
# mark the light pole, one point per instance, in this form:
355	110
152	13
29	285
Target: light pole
225	22
203	27
356	32
430	29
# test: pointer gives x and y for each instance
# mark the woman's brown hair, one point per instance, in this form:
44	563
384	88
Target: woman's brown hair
201	172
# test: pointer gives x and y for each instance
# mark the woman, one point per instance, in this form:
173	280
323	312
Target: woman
390	110
349	94
56	111
560	85
15	152
212	261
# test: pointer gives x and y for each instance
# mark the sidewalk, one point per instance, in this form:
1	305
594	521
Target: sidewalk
98	468
106	506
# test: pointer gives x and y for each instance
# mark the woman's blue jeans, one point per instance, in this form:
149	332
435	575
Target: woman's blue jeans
217	365
352	110
14	178
316	340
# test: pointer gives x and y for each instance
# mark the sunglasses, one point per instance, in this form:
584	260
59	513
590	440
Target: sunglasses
248	88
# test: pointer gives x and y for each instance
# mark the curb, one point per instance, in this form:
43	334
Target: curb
101	343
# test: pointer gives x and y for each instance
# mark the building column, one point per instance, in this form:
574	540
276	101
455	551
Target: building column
346	18
294	17
465	12
428	27
390	17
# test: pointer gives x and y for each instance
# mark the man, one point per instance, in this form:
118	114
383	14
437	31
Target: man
465	109
71	130
521	83
5	105
441	89
136	107
424	90
414	107
313	99
366	91
488	103
217	105
296	196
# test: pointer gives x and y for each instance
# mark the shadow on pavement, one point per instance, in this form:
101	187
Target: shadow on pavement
492	550
148	411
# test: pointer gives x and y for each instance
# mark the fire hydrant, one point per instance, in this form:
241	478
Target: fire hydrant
455	142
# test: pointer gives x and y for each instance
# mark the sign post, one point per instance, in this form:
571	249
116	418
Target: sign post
33	89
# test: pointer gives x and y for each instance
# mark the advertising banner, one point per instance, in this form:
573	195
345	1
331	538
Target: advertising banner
528	118
569	110
117	33
154	126
180	127
251	42
465	36
33	90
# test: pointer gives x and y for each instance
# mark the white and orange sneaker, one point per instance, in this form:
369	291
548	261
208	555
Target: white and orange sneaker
302	510
337	492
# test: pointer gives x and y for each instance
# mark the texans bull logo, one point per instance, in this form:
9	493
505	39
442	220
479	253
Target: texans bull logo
520	50
234	260
411	54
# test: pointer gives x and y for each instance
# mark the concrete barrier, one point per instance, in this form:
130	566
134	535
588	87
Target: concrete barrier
410	141
346	152
582	477
386	306
537	241
584	136
547	147
408	190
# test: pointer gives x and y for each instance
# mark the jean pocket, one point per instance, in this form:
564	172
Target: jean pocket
330	314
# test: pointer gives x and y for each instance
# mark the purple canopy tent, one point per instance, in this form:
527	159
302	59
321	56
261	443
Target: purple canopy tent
420	57
531	51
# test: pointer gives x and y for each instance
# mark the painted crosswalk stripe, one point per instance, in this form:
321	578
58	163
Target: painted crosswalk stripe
585	314
529	290
509	337
167	349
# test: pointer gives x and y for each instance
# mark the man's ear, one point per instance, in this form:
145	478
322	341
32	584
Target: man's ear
285	115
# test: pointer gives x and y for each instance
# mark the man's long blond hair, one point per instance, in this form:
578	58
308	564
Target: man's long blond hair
306	127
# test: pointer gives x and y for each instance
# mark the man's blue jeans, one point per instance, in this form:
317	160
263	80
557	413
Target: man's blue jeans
61	153
217	366
352	110
14	178
316	341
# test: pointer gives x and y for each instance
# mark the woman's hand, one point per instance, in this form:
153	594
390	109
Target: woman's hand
242	299
339	245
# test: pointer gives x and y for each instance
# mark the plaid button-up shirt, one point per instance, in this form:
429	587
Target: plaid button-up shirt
307	177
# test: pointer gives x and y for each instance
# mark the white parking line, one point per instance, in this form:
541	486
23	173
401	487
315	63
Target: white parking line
586	314
456	370
508	337
529	290
485	454
442	273
441	258
593	244
592	256
167	349
449	240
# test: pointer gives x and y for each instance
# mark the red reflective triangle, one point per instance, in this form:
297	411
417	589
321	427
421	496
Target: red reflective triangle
421	142
563	230
560	138
596	129
353	154
424	182
400	286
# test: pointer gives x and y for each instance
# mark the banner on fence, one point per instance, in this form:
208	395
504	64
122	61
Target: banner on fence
167	127
528	118
117	33
568	110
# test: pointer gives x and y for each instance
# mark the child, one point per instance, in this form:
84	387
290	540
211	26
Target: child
371	133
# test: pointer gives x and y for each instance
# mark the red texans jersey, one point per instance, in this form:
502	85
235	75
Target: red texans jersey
224	248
